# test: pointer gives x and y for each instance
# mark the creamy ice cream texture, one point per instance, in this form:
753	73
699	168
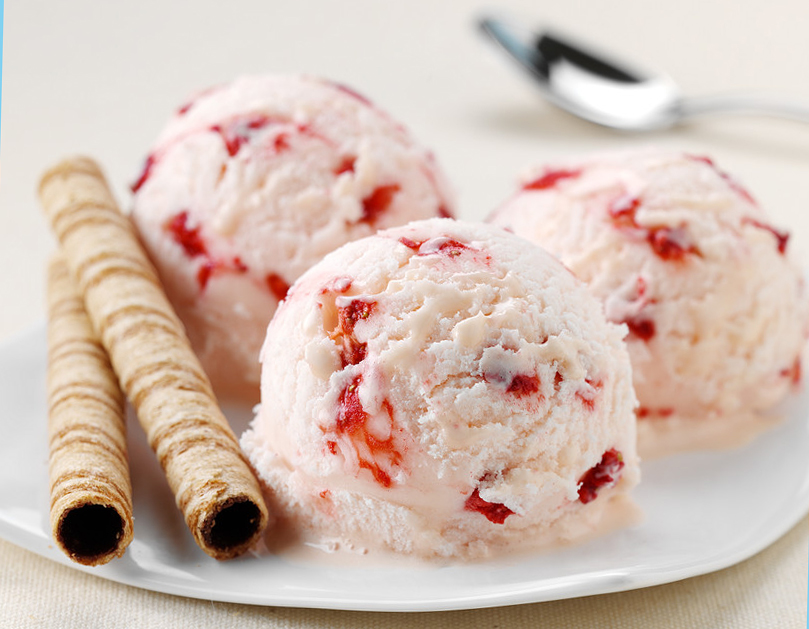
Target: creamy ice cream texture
443	389
682	254
252	182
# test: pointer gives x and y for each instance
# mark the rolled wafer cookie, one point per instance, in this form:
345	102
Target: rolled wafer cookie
212	482
91	494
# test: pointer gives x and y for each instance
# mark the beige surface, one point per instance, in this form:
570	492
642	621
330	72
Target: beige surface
101	77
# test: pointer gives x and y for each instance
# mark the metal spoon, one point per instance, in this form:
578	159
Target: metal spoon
615	94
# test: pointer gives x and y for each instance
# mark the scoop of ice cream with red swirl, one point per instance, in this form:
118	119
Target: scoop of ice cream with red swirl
251	183
683	255
444	389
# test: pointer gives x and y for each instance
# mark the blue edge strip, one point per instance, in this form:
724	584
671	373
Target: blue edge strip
2	14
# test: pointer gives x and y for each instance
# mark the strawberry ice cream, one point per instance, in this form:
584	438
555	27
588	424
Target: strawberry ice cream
444	389
682	254
250	184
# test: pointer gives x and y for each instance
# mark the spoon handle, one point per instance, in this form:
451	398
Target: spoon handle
744	104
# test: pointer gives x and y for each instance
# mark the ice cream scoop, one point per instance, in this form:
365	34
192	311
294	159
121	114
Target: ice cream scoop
443	389
252	182
680	252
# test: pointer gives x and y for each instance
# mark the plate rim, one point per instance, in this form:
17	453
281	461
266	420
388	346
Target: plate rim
604	581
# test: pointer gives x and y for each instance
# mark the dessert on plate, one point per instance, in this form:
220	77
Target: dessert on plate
252	182
682	254
110	320
443	389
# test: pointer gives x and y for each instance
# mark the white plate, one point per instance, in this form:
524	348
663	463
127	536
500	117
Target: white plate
703	512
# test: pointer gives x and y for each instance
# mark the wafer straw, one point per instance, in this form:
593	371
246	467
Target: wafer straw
91	495
212	482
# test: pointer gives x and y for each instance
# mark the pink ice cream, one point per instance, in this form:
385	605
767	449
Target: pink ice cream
443	389
681	253
250	184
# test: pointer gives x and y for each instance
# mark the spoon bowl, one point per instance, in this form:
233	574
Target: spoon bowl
612	93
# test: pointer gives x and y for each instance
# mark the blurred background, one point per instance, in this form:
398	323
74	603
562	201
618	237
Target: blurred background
102	78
